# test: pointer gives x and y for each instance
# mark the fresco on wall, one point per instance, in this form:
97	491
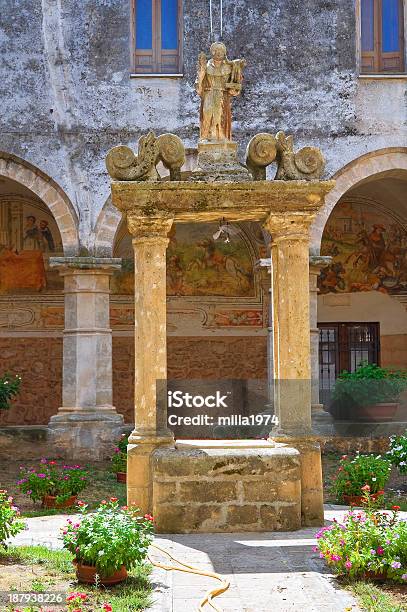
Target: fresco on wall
29	236
196	263
368	248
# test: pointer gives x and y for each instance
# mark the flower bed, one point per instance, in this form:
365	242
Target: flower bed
9	388
51	480
368	543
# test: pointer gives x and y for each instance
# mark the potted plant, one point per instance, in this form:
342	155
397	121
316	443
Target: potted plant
10	523
397	453
367	544
9	388
108	542
356	472
54	485
119	459
371	393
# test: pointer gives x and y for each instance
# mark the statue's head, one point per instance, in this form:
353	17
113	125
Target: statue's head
218	51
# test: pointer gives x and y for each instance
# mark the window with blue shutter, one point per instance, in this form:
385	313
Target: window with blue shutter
157	36
382	36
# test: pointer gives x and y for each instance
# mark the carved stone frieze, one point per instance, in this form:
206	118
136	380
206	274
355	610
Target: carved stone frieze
307	164
260	153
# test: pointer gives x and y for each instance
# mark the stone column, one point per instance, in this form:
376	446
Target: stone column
291	341
87	424
150	241
317	263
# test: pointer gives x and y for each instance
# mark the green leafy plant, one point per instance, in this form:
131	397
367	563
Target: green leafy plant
369	385
60	481
397	452
119	458
10	524
109	538
9	388
368	542
355	472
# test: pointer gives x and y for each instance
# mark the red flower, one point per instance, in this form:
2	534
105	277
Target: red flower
113	499
80	504
103	502
380	550
52	463
395	508
365	488
380	493
107	607
149	517
344	457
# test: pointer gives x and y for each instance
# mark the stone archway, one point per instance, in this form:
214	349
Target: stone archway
50	193
106	228
360	169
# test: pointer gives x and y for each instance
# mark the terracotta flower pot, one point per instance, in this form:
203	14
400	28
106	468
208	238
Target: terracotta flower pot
353	500
87	575
377	412
121	477
50	501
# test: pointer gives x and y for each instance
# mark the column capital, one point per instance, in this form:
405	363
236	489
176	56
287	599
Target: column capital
149	227
287	225
70	265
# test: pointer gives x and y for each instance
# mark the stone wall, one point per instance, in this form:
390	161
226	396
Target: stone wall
196	358
226	490
39	363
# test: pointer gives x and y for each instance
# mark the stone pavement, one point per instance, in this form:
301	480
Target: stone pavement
268	571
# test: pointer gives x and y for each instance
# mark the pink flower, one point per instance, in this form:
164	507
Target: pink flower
404	577
41	475
365	488
43	460
396	565
348	564
336	557
380	550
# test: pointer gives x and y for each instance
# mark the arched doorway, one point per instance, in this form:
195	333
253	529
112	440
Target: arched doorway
363	292
37	222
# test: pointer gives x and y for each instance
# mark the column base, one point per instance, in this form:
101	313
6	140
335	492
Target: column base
312	493
78	433
139	470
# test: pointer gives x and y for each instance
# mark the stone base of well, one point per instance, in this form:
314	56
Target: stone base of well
85	434
226	487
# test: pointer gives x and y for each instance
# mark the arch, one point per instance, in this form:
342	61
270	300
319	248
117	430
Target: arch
50	193
106	227
361	169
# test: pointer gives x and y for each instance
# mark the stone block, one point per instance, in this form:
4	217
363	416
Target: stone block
207	491
240	516
171	518
280	518
260	490
165	492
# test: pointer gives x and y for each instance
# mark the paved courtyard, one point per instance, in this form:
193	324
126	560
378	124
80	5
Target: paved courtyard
267	572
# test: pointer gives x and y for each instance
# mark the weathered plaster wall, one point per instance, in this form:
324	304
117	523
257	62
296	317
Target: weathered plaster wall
67	97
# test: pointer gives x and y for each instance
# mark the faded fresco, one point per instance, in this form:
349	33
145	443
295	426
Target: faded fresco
29	236
369	251
197	264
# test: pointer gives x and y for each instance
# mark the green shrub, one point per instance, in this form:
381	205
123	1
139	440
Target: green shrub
109	538
9	388
397	453
10	524
119	459
61	481
369	385
355	472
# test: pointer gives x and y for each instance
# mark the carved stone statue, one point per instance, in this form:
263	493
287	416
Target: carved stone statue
218	80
